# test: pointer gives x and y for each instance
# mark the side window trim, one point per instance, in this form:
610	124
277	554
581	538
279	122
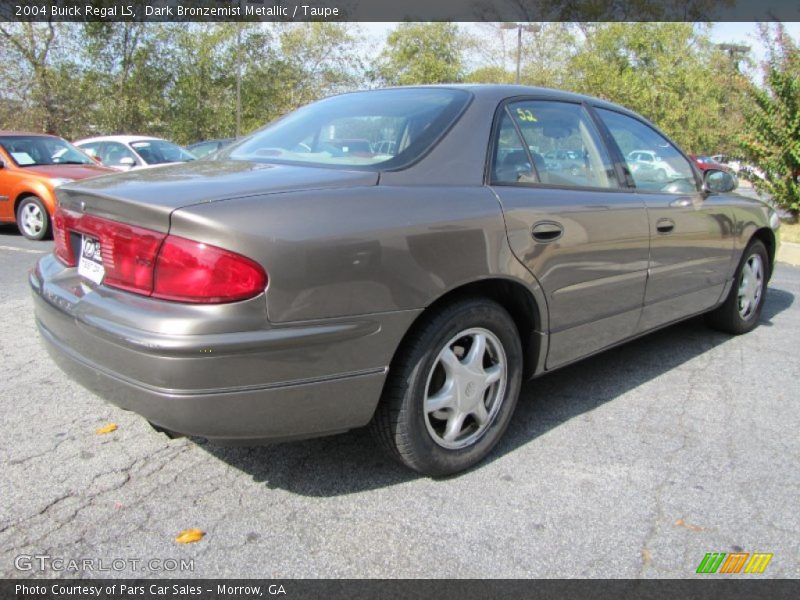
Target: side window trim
522	141
624	176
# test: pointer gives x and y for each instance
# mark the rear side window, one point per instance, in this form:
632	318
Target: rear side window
654	163
552	143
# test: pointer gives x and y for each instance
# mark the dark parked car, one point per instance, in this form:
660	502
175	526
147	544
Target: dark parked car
207	147
290	287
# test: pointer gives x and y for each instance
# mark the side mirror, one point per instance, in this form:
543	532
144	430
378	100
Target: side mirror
718	182
127	161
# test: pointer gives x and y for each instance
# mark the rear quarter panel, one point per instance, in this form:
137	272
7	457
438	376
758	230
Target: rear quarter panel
338	253
749	216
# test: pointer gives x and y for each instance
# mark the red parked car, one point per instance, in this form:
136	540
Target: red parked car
704	163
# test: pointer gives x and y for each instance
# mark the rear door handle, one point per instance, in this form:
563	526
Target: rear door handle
547	231
665	225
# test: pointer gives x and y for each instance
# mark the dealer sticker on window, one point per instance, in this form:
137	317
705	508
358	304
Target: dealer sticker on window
90	264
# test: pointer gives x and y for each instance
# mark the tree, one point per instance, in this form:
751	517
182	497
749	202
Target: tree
545	53
666	71
124	64
771	137
201	96
419	53
45	86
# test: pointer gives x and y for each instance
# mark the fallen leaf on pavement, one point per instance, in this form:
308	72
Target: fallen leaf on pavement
689	526
107	429
187	536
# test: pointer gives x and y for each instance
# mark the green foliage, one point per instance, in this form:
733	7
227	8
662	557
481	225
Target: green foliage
665	71
771	136
490	74
420	53
180	81
126	70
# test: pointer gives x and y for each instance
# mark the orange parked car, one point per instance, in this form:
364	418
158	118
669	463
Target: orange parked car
31	166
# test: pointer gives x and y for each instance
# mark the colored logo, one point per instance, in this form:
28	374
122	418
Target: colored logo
736	562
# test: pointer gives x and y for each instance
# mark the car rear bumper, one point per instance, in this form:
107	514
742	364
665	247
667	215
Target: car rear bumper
261	384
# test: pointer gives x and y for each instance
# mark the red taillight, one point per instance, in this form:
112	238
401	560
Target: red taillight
164	266
129	254
189	271
62	220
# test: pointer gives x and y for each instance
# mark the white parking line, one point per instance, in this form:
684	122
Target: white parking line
13	249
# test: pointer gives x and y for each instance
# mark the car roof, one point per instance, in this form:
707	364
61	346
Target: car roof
498	92
125	139
4	133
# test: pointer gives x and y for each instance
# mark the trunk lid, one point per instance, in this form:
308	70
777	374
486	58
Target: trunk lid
147	197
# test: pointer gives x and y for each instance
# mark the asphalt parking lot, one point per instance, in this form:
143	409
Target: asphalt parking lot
634	463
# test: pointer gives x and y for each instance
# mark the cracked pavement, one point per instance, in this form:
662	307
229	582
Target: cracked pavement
634	463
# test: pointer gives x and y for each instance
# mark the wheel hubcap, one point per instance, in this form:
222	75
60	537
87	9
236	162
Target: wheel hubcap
32	219
751	286
465	388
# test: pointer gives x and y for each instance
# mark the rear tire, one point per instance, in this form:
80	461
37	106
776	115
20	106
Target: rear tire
33	221
452	388
741	310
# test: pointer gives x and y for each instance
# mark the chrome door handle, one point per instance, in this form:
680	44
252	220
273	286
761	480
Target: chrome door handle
547	231
681	203
665	225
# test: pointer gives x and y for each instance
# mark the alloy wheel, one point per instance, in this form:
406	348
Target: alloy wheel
751	286
32	219
465	388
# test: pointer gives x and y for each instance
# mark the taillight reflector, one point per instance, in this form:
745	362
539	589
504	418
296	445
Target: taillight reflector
62	220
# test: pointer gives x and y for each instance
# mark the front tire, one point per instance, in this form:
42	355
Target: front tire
33	221
452	388
741	310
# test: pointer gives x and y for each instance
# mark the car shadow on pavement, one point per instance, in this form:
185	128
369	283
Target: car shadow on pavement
352	462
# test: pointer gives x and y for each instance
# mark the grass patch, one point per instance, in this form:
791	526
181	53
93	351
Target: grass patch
790	232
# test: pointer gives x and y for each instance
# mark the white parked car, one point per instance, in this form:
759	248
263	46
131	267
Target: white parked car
647	165
124	152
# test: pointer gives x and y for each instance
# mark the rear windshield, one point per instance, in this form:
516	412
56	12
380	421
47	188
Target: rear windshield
375	130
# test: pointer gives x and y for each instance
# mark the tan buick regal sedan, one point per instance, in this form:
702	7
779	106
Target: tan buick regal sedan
401	258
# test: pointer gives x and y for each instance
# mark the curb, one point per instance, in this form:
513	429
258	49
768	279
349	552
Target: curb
789	253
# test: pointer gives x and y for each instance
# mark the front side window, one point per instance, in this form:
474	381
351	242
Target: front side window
32	151
376	130
654	163
561	142
92	149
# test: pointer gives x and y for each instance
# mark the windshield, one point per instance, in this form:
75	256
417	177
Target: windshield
380	129
35	150
157	152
